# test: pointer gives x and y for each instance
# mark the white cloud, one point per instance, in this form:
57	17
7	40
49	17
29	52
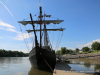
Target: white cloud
20	36
88	44
6	25
12	30
0	37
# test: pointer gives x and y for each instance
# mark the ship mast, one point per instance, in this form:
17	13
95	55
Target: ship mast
40	23
45	33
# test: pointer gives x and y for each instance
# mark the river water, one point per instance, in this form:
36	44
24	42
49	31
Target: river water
18	66
22	66
85	65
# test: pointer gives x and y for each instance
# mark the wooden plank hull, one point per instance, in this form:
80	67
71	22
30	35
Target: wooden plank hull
42	59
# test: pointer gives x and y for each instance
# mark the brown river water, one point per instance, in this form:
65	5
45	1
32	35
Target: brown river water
22	66
19	66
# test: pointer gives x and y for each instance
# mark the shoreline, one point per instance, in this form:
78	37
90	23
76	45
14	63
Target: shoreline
91	56
65	69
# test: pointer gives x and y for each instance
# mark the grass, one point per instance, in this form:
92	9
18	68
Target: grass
92	52
95	51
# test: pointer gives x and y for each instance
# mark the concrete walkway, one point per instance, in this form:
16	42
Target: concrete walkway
63	69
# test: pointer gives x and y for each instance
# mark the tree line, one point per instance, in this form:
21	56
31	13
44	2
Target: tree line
9	53
94	46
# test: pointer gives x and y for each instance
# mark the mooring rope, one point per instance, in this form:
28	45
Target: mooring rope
48	64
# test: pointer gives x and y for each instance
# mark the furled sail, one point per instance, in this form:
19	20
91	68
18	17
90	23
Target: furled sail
41	22
61	29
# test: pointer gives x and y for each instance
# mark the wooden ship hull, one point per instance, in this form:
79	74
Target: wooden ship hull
42	58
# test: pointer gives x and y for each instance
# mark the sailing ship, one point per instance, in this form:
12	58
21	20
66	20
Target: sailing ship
42	56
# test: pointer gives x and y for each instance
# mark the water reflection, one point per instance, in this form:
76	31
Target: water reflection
34	71
97	67
85	64
19	66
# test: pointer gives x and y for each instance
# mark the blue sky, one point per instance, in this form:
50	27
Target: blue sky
81	20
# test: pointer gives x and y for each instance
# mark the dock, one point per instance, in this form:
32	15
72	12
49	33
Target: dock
63	68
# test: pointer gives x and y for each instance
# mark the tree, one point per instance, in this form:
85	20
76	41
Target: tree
95	46
58	52
71	51
85	49
77	50
63	50
67	51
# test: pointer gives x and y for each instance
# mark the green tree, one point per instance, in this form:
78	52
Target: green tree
95	46
77	50
85	49
58	52
67	51
63	50
71	51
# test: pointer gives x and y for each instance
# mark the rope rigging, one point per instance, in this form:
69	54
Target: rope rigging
31	39
60	40
24	38
29	17
48	40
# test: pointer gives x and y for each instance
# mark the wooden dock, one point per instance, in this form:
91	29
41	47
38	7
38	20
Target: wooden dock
63	69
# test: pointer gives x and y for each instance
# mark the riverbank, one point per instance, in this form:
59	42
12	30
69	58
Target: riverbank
92	56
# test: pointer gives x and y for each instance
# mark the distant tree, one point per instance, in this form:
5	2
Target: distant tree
71	51
95	46
63	50
85	49
77	50
67	51
58	52
9	53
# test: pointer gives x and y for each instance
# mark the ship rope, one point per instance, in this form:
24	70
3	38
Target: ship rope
53	35
29	17
57	41
59	37
31	38
28	33
55	18
48	64
60	40
24	38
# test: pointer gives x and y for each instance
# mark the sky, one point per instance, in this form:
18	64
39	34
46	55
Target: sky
81	20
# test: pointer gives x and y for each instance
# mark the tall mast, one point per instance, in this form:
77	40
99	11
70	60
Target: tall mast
40	23
45	32
34	31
